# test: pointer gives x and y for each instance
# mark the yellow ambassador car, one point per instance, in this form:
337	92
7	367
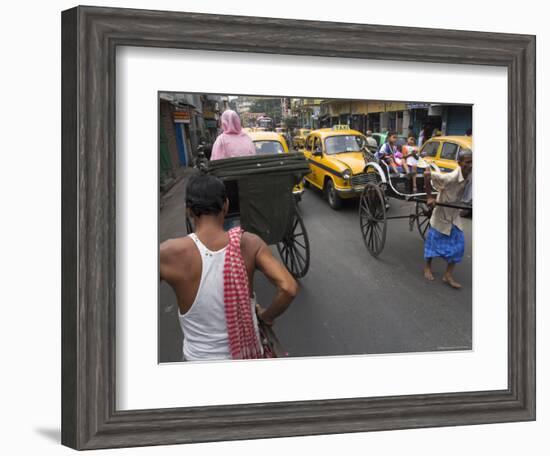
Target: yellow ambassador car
269	142
443	150
299	139
335	157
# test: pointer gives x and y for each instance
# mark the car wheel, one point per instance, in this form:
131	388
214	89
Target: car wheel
334	200
306	183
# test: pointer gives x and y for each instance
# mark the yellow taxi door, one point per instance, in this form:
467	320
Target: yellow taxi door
308	153
317	157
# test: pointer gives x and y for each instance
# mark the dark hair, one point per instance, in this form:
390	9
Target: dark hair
391	133
205	195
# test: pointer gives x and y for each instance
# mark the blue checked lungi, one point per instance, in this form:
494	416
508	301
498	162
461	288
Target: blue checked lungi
450	248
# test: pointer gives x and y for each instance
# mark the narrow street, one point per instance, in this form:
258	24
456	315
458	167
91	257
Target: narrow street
349	302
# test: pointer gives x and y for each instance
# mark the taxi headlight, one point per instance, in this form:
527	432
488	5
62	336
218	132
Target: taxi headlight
346	174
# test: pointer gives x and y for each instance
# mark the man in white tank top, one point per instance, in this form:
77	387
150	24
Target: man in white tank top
193	267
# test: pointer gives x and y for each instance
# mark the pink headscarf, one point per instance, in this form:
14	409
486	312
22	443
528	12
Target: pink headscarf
231	123
233	142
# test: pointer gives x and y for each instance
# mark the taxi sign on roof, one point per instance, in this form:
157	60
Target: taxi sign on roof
340	127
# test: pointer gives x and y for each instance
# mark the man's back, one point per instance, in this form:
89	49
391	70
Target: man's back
195	270
181	262
203	324
195	267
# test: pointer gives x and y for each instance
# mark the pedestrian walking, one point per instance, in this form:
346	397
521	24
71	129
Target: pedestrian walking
212	274
233	142
445	237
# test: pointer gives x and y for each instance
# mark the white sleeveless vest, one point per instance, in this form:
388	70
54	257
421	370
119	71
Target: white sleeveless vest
204	326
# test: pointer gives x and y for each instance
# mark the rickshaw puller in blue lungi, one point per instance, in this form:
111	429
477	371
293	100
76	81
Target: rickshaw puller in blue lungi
445	237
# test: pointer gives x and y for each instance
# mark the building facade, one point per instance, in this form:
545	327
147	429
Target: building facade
185	121
403	118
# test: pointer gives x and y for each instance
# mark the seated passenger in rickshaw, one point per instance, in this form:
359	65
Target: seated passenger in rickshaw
410	160
388	152
401	158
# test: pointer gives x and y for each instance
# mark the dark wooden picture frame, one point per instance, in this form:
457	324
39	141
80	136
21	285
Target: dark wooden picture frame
90	36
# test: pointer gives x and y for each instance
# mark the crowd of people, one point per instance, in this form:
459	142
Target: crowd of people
212	270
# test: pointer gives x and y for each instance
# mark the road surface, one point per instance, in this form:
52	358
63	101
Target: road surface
350	303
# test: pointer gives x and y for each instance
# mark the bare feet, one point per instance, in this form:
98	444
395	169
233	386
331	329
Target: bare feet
428	274
448	279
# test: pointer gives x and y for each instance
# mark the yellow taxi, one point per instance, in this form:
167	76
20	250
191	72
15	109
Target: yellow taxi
269	142
335	157
443	150
299	139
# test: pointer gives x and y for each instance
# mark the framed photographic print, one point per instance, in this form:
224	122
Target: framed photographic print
237	188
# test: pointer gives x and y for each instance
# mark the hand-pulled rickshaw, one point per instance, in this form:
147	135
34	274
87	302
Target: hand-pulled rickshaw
382	184
260	193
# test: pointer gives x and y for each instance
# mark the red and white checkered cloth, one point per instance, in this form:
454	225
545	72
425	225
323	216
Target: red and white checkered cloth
243	341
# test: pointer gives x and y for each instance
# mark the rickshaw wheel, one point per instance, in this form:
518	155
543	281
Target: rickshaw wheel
423	215
188	225
294	248
372	218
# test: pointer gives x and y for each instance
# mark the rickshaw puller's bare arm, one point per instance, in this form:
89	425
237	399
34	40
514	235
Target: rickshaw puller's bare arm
278	275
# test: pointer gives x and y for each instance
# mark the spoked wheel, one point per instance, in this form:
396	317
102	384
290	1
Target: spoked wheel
372	218
423	215
189	225
294	248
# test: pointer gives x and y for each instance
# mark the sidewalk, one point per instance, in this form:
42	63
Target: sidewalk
182	174
172	207
171	225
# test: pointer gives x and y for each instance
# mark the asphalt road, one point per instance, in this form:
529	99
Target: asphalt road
350	303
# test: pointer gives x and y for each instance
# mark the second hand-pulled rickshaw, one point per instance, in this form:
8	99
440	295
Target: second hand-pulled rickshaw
380	185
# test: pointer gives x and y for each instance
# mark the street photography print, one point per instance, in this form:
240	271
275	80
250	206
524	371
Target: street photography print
323	244
299	227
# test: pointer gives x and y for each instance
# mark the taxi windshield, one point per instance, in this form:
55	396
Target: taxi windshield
268	147
343	143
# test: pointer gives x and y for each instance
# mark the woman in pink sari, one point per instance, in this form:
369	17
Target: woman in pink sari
233	142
